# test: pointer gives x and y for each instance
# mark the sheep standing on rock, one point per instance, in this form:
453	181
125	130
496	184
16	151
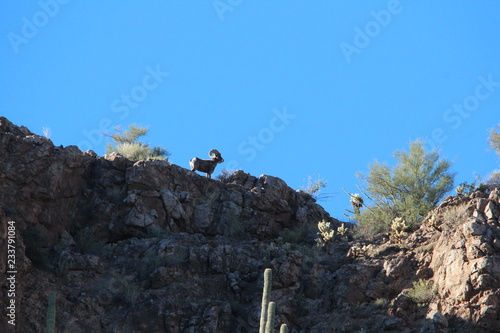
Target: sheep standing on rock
207	166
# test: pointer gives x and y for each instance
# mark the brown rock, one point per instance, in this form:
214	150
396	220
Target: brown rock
167	250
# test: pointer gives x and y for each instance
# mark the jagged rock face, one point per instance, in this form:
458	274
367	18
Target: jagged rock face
67	204
457	247
466	262
64	188
153	247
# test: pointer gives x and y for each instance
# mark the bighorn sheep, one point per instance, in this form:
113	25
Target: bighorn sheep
207	166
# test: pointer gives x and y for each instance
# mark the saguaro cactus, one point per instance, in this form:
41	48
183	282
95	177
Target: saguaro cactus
268	310
266	294
51	313
271	309
283	328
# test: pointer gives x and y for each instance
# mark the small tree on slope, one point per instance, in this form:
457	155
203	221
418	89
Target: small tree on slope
125	142
409	190
494	140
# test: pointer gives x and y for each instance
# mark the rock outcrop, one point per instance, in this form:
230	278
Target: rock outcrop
466	260
101	231
149	246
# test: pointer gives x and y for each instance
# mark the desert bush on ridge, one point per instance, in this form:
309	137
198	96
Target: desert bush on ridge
126	143
409	190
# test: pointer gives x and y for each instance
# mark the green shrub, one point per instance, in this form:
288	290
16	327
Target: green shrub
125	142
493	180
422	292
465	189
296	235
314	187
380	303
224	175
409	190
494	140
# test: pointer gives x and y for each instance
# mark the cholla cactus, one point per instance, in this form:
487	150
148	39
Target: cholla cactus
342	230
356	202
433	222
466	189
287	247
324	227
325	232
398	228
357	251
273	248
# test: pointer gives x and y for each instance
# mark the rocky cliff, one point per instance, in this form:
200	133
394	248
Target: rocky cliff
149	246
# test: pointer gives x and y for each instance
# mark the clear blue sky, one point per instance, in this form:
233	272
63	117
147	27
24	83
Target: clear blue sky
285	88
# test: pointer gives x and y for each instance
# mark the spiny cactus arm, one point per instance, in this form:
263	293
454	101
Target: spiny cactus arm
266	292
342	230
324	227
271	309
284	328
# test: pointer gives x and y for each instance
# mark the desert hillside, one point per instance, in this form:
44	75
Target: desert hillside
149	246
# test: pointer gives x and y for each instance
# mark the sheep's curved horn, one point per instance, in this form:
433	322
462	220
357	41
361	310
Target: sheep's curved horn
214	152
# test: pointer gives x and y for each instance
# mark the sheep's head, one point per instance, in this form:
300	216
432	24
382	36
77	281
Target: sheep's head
215	156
